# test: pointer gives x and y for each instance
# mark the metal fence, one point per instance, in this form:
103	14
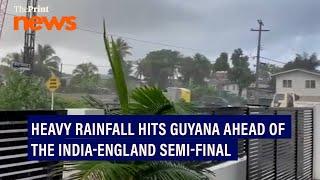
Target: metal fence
266	159
14	163
281	159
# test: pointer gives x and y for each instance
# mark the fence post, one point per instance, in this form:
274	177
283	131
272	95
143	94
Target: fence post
316	142
296	133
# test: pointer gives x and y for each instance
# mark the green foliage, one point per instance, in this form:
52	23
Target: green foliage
303	61
22	93
145	100
115	60
85	78
46	61
186	70
194	70
149	100
124	50
12	57
268	70
100	170
159	170
123	47
200	91
158	66
221	63
240	73
64	102
202	69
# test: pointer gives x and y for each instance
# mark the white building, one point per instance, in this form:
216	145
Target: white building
234	89
298	81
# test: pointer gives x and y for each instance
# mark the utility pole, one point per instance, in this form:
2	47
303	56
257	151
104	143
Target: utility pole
29	37
61	69
260	30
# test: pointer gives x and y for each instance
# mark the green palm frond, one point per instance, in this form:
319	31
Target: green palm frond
183	108
149	100
101	170
115	60
166	170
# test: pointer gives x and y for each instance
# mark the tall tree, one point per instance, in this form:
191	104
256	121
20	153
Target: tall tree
221	63
85	77
186	69
46	61
202	69
139	70
159	66
266	70
240	73
124	47
124	50
303	61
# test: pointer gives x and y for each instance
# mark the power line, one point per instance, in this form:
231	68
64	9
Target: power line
273	60
133	39
81	28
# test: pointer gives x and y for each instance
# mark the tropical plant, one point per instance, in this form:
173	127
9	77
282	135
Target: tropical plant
186	69
221	63
12	57
158	67
139	70
123	47
46	61
240	72
85	77
22	93
303	61
202	69
145	100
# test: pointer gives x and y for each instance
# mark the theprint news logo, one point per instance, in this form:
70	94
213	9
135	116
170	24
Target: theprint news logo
37	23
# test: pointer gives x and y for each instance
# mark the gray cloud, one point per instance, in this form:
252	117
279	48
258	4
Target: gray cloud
210	26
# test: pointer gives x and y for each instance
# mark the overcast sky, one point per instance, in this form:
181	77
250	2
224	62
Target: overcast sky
205	26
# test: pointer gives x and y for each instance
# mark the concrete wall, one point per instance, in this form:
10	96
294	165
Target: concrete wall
230	170
298	83
83	111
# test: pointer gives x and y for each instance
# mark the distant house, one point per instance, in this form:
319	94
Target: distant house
298	81
219	79
234	89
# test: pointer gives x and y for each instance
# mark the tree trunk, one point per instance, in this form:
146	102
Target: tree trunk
240	92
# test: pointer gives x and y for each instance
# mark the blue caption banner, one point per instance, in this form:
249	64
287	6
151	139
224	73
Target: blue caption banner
172	137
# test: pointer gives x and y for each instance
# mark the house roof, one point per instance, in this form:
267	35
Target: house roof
300	70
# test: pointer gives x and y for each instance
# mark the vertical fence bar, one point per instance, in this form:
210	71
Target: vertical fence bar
275	154
296	142
312	144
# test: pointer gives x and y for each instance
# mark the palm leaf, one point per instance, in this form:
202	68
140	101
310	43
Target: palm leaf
115	60
101	170
166	170
149	100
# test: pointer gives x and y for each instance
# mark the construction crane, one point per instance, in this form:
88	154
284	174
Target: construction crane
3	11
29	36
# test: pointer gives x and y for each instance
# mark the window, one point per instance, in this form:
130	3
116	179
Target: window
311	84
287	83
